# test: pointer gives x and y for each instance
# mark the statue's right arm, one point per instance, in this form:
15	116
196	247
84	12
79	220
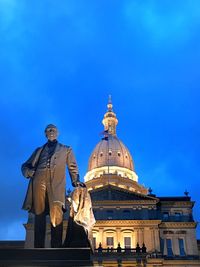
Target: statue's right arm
28	168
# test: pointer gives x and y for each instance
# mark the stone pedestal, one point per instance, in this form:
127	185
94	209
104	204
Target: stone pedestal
46	257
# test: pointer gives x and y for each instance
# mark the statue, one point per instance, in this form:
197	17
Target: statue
46	189
144	249
81	220
137	248
119	249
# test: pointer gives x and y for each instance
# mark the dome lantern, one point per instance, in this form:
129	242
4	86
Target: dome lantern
110	120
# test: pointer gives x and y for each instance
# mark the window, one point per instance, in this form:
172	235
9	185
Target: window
109	214
181	232
119	154
101	154
169	247
110	241
165	215
110	153
181	247
177	216
127	242
168	232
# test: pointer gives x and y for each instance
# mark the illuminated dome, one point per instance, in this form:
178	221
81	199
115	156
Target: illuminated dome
110	156
110	152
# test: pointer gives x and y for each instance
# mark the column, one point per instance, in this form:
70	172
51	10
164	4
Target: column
153	239
175	245
147	238
136	235
119	237
141	236
157	239
134	238
100	239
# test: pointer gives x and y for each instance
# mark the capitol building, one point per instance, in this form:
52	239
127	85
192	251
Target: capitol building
130	216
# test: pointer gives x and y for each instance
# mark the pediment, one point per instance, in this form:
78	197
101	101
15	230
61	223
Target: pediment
110	192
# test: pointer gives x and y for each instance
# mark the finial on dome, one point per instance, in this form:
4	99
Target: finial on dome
110	103
186	193
110	120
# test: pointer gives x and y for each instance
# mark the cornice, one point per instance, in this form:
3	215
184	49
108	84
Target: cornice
120	182
123	202
177	203
176	225
127	223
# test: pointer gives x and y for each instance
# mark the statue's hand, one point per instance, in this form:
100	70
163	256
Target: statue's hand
81	184
76	184
31	172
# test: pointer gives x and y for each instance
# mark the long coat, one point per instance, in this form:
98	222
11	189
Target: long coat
63	156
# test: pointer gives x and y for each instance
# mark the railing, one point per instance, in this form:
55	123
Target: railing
126	252
132	253
115	250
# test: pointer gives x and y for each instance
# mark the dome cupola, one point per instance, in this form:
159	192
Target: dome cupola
110	156
110	120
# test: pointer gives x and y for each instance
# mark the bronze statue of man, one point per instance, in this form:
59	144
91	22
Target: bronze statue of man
46	191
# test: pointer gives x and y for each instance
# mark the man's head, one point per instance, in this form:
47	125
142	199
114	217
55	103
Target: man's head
51	132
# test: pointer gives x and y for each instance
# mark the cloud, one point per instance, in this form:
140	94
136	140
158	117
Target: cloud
8	9
163	22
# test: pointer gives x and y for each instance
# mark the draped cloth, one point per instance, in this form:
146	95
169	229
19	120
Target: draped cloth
81	220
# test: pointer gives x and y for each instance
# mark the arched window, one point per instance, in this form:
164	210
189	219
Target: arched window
127	242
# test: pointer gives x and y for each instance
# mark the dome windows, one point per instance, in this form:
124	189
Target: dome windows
113	151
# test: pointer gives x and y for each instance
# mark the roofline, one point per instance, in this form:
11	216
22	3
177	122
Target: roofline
124	190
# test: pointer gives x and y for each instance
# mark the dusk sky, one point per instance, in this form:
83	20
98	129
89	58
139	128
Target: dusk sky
59	61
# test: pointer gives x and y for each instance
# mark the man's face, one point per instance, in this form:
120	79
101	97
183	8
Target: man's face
51	133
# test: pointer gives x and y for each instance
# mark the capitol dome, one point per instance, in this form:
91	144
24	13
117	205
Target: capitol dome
110	152
110	155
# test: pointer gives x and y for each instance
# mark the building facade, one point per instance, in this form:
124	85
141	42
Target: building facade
128	215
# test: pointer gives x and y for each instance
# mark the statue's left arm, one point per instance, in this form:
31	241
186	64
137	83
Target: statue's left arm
72	166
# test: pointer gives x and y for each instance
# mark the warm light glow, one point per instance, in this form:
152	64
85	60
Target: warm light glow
123	172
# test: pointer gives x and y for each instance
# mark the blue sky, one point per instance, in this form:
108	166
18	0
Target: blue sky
59	61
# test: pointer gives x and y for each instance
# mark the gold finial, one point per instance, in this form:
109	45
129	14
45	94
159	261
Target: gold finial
109	103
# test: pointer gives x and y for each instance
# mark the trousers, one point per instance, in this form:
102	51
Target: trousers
43	206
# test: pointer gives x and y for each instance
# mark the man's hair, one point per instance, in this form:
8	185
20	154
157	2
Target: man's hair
50	126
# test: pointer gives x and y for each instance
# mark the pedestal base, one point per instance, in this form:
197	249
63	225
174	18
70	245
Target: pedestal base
46	257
